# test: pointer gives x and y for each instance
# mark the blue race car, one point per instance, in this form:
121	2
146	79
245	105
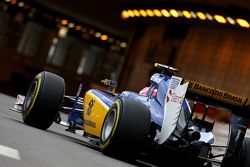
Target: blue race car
156	124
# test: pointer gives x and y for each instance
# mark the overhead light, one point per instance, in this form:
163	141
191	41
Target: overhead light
180	13
97	34
186	14
104	37
157	13
13	1
78	28
165	13
220	19
71	25
64	22
123	44
174	13
63	31
230	20
125	14
55	40
143	13
149	12
21	4
243	23
209	17
136	13
7	0
193	15
201	15
131	13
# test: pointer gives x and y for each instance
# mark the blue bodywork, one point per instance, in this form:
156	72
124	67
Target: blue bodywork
155	103
153	98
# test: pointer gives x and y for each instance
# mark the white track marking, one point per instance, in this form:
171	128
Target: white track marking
9	152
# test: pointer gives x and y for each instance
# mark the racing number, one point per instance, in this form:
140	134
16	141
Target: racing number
91	104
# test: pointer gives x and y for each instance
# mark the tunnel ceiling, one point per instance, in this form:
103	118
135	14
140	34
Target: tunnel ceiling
106	13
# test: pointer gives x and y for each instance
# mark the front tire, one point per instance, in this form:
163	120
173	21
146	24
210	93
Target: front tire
43	100
125	128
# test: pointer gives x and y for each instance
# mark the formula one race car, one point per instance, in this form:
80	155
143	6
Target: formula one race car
156	124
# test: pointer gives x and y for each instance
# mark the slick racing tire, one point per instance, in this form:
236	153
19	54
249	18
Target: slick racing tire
125	129
242	156
245	154
43	100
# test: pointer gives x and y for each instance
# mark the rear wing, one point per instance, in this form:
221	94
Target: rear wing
216	97
223	99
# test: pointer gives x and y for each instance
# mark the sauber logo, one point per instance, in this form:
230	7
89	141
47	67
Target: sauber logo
91	104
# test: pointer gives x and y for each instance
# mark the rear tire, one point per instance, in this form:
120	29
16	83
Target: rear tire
125	129
245	153
242	155
43	100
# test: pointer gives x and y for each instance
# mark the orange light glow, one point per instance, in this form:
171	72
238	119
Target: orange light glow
157	13
165	13
150	12
64	22
143	13
220	19
104	37
243	23
125	14
186	14
131	13
201	15
78	28
136	12
13	1
174	13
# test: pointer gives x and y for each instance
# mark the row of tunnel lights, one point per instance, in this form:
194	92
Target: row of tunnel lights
131	13
65	24
102	36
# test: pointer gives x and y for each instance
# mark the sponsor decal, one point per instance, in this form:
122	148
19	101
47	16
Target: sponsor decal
90	123
91	104
173	97
216	94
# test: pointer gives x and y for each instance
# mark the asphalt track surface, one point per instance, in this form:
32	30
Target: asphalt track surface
25	146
